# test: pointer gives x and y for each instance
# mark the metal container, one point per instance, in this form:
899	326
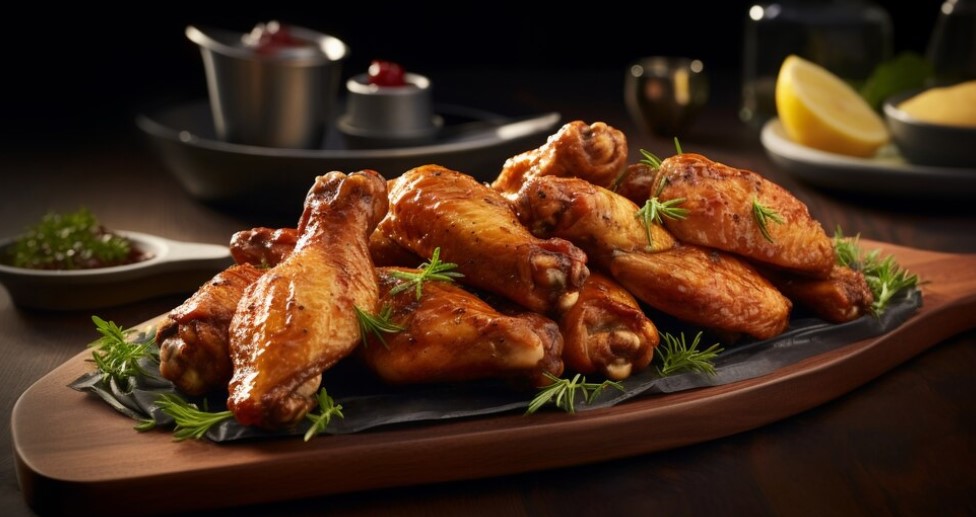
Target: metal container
281	99
389	116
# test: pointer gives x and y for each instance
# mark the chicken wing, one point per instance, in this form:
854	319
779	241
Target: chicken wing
699	285
842	296
707	287
194	339
263	247
722	204
475	227
451	335
298	319
595	152
636	182
607	332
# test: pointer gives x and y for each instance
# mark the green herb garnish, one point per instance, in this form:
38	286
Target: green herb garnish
376	325
763	215
327	409
884	276
562	392
650	159
115	355
69	241
675	355
654	210
432	270
191	421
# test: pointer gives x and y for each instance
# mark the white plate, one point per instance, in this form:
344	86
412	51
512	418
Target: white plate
172	267
885	174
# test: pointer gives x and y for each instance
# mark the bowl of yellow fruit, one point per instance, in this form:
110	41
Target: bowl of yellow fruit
935	126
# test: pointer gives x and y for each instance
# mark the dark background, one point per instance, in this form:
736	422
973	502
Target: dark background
75	71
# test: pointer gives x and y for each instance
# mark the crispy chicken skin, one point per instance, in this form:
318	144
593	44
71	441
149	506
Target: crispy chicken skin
452	335
595	152
843	296
193	340
298	319
720	203
263	247
636	182
593	218
708	287
607	332
476	228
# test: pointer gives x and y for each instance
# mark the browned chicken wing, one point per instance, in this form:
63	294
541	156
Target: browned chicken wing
298	319
595	152
475	227
193	340
607	332
721	202
636	183
263	247
714	289
842	296
707	287
451	335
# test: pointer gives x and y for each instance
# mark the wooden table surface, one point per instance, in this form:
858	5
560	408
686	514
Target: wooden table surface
903	444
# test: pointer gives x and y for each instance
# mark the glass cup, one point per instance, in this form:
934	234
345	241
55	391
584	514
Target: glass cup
664	95
952	47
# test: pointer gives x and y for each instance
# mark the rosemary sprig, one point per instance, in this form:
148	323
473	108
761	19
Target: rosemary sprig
73	240
763	214
654	210
115	355
432	270
377	324
677	146
650	159
191	421
884	276
676	355
562	392
327	409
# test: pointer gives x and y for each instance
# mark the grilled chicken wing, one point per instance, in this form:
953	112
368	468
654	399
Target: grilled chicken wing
721	203
636	183
298	319
451	335
475	227
595	152
194	341
607	332
842	296
700	285
263	247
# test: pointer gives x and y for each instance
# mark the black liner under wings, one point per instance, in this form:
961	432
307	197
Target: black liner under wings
368	404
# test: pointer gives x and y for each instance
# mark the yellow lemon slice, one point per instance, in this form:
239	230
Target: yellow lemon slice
819	110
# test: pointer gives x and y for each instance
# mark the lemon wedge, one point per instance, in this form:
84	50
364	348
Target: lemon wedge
819	110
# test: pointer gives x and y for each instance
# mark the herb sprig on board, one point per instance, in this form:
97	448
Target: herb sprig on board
884	276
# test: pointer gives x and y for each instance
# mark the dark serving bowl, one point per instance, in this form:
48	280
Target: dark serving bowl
925	143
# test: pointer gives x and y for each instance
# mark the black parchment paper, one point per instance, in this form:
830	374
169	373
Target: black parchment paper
367	404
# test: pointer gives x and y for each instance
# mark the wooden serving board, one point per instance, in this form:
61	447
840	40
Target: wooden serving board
73	452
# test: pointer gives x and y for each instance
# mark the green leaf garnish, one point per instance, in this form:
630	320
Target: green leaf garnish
376	325
68	241
763	215
432	270
562	392
654	210
191	421
115	355
675	355
677	146
906	71
327	409
884	276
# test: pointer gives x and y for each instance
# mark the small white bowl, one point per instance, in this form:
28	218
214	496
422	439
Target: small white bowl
172	267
